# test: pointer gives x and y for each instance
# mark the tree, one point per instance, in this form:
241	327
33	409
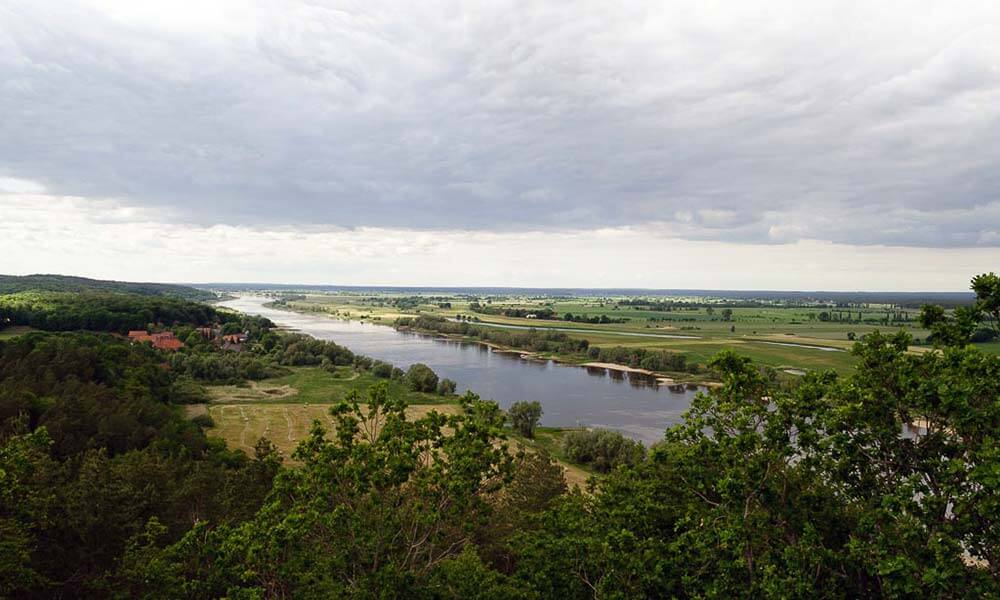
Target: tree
959	327
524	417
603	449
421	378
727	314
710	311
381	508
987	289
446	387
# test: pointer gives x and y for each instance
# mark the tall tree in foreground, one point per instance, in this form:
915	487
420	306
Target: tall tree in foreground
381	506
882	484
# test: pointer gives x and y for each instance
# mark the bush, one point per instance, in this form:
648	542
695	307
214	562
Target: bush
983	335
524	417
205	421
382	370
421	378
446	387
603	449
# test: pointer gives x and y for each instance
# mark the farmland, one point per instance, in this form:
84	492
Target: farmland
791	335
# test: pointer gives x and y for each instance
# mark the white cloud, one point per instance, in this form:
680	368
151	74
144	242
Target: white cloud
11	185
74	235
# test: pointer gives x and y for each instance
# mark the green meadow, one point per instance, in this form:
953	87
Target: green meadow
780	336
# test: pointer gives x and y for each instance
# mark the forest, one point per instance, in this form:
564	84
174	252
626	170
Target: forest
883	483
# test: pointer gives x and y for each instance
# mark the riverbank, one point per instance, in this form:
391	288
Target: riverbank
666	378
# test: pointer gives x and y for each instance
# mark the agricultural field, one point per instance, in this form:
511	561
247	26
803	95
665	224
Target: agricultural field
795	336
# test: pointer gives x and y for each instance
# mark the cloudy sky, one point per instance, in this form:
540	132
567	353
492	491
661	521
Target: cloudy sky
778	145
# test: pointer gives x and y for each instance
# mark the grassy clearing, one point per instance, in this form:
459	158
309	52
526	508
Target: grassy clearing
283	409
993	347
311	385
550	439
11	332
285	424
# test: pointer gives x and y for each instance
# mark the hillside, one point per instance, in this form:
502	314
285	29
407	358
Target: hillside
10	284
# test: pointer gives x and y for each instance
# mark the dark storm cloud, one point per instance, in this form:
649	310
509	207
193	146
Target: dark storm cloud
850	123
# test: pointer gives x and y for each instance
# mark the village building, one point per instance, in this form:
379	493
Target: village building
161	341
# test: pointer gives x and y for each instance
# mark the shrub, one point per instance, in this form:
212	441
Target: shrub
421	378
382	370
603	449
205	421
446	387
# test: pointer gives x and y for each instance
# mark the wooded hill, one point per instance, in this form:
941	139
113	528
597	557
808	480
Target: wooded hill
10	284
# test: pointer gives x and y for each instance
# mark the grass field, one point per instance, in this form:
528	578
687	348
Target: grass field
283	409
285	424
310	385
11	332
993	347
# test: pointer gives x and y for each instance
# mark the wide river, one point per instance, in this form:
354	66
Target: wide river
571	396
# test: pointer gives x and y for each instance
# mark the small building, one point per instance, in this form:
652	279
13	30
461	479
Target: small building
168	343
139	335
165	340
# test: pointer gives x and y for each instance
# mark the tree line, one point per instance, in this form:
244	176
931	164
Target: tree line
536	340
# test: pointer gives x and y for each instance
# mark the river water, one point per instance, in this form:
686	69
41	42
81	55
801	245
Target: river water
571	396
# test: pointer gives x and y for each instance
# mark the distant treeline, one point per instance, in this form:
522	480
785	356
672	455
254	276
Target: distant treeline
10	284
102	311
541	313
545	340
535	340
641	358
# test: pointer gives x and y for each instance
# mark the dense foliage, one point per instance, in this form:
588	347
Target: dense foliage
91	452
421	378
885	483
603	449
98	311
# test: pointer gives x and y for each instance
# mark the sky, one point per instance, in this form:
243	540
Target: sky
712	145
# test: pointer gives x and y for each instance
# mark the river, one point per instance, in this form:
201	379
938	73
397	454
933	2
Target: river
571	396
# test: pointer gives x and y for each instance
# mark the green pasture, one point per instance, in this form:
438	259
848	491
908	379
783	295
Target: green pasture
747	331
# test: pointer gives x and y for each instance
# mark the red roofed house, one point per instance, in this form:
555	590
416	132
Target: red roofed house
168	343
162	341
